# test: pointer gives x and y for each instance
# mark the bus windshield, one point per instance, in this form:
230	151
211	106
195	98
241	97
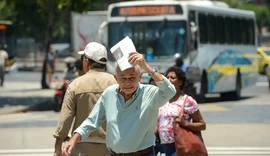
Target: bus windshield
161	39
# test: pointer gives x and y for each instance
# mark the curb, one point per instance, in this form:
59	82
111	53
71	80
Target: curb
35	69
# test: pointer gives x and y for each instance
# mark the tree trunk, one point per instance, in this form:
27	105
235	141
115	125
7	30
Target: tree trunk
48	40
44	84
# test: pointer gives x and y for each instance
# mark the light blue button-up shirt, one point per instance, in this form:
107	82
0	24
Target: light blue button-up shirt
130	124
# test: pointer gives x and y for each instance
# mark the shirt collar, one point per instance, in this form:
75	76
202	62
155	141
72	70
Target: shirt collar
95	70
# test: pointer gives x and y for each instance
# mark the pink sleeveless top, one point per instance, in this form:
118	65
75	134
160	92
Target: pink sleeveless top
167	113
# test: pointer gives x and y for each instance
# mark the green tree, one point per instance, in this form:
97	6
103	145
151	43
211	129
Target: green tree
262	11
233	3
262	14
46	20
43	19
6	10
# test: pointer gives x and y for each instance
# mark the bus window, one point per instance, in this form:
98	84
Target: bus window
220	31
228	30
203	31
192	31
251	32
212	28
244	29
237	30
191	16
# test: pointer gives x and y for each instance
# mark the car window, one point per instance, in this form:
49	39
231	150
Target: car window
267	52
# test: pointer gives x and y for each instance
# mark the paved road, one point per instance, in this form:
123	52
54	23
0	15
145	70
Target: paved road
27	76
260	87
232	126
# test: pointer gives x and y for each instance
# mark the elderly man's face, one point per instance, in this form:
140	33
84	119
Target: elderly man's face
128	79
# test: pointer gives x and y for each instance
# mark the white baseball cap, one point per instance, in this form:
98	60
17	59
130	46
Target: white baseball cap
95	51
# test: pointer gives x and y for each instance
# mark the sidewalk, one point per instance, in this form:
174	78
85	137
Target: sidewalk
23	96
37	66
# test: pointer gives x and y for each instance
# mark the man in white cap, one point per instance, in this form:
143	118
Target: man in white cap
130	109
79	100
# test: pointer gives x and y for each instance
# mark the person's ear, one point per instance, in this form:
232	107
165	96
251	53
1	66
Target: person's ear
87	61
140	76
115	77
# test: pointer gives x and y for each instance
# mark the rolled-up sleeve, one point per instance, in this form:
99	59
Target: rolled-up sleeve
67	115
94	120
164	93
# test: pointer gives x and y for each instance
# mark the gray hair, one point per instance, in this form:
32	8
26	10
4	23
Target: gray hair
117	69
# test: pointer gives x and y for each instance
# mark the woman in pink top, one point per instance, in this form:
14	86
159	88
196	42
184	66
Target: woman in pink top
192	118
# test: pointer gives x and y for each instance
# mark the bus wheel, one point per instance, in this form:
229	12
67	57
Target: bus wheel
265	68
268	81
190	89
269	84
234	95
203	91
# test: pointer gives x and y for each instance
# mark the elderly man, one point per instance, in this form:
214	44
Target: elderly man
130	109
80	98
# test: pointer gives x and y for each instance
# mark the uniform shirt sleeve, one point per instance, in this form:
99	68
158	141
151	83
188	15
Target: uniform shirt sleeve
162	93
94	120
67	114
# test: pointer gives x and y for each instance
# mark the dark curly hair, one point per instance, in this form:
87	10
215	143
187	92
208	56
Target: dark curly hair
180	75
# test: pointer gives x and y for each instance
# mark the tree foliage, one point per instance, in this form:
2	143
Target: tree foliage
6	11
262	11
32	18
44	20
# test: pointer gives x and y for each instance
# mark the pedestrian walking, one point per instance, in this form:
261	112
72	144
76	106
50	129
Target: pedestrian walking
192	118
3	62
80	99
51	64
180	63
130	109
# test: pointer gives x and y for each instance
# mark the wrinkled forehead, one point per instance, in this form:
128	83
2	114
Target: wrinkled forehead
127	72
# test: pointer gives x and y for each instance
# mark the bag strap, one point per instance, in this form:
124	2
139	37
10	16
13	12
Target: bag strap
181	113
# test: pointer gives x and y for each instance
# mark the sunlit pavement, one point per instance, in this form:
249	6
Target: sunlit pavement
233	127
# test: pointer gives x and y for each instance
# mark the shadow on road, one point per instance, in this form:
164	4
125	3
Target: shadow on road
219	99
26	101
23	90
10	105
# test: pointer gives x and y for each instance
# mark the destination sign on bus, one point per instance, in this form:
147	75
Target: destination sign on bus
147	10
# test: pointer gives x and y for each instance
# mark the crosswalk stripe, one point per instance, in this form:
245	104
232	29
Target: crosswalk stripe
211	151
262	84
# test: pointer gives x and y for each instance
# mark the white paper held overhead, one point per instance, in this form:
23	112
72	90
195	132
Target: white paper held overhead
121	52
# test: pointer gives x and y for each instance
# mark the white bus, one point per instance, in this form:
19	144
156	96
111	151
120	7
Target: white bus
217	43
